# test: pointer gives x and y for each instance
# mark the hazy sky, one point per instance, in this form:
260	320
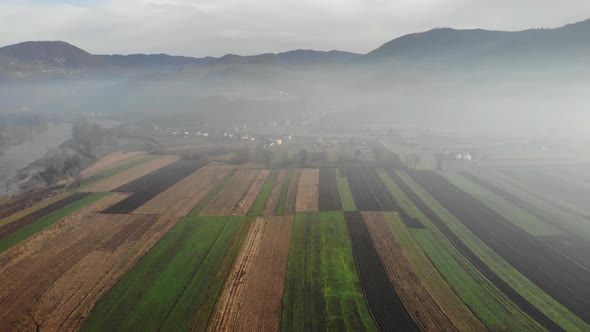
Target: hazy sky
217	27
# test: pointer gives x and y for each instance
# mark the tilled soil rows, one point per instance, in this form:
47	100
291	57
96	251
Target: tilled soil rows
384	302
518	299
132	174
564	280
33	217
270	208
250	195
329	199
368	191
419	303
308	190
292	193
112	161
253	294
179	199
233	293
52	280
235	192
151	185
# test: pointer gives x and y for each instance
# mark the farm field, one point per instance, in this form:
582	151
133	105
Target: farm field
308	190
238	195
131	174
323	290
154	242
562	279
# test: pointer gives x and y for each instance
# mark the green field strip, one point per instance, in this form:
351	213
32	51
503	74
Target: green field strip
284	191
323	289
167	286
560	218
348	203
258	206
518	216
488	303
44	222
526	288
197	208
35	207
453	306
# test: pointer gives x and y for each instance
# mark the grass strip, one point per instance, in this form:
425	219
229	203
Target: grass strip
348	203
258	206
43	223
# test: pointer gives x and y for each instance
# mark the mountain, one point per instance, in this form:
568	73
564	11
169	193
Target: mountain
446	43
51	53
296	57
151	60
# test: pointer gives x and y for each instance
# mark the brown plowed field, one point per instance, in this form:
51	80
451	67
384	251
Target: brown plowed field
179	199
55	278
111	161
233	292
308	191
254	293
416	298
270	208
131	174
250	196
292	193
227	200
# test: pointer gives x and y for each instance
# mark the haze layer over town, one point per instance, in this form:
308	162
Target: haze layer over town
352	165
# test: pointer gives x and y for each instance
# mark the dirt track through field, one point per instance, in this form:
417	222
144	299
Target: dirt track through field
270	208
179	199
131	174
237	191
560	277
57	276
416	298
384	302
308	190
253	293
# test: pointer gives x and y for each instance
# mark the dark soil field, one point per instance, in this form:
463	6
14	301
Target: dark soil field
386	306
564	280
149	186
31	218
572	246
329	193
368	191
525	305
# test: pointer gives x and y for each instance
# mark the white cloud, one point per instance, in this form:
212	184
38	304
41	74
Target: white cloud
216	27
